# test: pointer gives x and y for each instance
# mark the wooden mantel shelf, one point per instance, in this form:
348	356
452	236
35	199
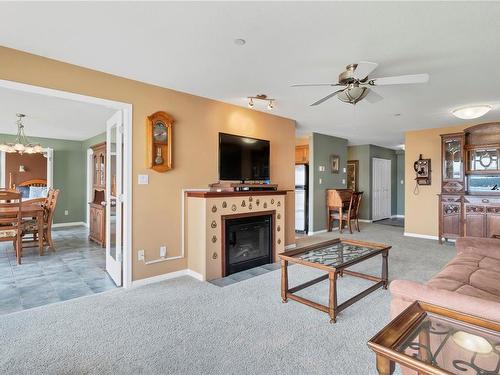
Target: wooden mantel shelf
220	194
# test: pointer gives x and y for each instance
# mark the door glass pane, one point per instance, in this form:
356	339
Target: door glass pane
112	190
452	169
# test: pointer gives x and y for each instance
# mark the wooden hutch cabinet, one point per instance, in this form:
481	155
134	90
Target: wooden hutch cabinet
97	225
469	203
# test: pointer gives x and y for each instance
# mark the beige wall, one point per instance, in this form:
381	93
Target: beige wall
421	211
157	206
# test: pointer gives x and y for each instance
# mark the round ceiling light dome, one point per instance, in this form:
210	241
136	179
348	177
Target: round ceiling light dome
353	94
240	42
471	112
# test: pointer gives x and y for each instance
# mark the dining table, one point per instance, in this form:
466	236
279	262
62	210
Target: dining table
30	210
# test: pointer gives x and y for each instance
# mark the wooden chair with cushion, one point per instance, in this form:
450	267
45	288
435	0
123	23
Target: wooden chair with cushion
31	227
351	213
337	204
10	220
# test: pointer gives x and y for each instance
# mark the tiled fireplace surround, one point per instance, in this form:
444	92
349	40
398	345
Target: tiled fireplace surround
206	212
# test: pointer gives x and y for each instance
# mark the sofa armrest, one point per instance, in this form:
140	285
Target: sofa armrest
405	292
489	247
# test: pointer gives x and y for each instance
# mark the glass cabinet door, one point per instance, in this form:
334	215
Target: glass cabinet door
483	159
452	159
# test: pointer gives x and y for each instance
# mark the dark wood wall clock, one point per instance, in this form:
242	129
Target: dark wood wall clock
159	141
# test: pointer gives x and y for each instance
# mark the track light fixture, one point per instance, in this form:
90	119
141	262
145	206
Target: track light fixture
270	102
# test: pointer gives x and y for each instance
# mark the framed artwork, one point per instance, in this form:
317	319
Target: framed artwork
334	163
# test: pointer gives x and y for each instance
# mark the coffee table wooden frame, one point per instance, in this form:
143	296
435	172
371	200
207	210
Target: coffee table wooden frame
333	307
385	342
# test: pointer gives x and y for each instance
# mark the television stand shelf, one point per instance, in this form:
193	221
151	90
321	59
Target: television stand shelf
237	186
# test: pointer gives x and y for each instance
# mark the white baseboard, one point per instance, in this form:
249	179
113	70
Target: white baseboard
167	276
365	221
316	232
425	236
196	275
398	216
73	224
292	246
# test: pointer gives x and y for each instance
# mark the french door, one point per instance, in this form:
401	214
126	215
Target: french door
114	197
381	189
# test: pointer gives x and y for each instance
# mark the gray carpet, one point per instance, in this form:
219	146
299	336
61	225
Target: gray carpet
184	326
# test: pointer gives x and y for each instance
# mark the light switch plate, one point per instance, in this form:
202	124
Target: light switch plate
143	179
320	181
343	181
140	255
163	251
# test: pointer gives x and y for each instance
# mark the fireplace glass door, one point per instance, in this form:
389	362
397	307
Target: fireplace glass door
247	243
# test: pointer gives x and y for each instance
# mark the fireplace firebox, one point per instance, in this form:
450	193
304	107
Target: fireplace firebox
248	242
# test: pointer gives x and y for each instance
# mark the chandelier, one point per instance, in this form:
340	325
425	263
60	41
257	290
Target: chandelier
21	144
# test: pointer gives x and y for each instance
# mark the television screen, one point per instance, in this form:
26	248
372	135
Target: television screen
243	158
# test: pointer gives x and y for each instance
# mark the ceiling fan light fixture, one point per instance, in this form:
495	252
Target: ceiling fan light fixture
353	94
471	112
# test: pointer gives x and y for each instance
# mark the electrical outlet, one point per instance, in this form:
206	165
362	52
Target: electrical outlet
140	255
163	251
143	179
66	212
402	182
343	181
344	170
320	181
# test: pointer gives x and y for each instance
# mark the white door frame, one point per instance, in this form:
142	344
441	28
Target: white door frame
89	189
126	108
49	154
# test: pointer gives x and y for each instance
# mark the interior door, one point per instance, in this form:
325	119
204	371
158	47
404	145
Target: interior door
114	197
381	189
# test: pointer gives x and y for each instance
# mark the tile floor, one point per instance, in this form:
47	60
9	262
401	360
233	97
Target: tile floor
393	221
75	269
245	275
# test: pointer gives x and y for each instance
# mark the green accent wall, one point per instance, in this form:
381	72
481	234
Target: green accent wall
70	174
322	147
401	186
362	154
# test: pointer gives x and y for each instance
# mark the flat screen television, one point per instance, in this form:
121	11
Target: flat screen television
243	158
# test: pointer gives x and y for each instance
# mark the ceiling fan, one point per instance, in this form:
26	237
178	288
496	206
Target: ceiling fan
357	84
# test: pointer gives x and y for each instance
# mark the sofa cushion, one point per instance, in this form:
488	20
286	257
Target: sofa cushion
486	280
469	290
471	274
488	263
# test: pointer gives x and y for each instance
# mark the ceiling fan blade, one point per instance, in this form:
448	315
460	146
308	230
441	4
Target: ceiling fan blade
316	84
326	98
399	80
363	69
373	97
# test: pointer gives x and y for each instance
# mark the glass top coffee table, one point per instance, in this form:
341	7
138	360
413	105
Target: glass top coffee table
437	341
334	257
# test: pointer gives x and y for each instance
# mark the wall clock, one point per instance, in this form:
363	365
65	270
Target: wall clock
159	141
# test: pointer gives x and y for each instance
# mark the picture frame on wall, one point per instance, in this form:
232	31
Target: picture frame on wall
334	163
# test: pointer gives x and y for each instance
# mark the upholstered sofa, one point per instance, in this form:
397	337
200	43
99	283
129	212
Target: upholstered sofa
469	283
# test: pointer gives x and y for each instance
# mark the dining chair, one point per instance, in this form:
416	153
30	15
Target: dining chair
350	213
354	205
31	226
10	220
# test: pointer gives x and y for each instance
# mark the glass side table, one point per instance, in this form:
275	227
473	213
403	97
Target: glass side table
434	340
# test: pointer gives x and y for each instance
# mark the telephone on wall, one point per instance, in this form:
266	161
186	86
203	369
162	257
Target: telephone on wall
423	171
